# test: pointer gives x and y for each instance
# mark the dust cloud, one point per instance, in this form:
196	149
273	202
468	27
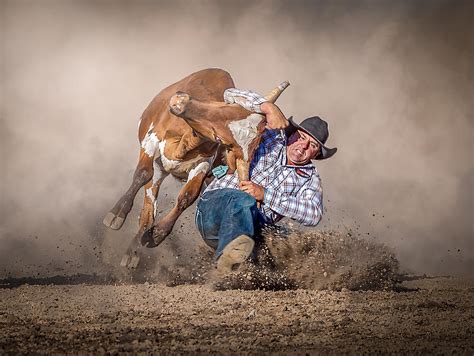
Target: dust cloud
318	260
394	81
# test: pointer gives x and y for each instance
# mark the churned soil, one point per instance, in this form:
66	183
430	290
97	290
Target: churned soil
427	315
302	292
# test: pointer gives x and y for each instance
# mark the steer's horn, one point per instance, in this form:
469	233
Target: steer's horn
275	93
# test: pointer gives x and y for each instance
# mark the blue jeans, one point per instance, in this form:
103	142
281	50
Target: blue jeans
224	214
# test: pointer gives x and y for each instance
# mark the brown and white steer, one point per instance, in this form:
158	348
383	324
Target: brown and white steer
187	147
240	135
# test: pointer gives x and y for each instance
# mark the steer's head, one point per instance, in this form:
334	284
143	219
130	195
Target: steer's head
231	125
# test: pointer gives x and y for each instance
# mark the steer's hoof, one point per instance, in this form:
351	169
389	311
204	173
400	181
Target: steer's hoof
153	237
147	238
125	260
134	261
113	221
178	102
130	260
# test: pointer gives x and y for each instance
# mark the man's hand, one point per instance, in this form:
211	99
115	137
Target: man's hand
253	189
275	118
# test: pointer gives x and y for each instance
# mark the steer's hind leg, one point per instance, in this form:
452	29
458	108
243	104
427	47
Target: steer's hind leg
188	194
131	258
188	142
143	173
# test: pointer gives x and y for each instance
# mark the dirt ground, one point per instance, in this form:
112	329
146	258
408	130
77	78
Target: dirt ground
428	315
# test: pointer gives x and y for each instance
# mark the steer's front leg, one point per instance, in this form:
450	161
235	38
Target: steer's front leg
143	173
131	258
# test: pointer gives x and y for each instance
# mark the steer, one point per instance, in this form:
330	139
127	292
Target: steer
177	145
240	136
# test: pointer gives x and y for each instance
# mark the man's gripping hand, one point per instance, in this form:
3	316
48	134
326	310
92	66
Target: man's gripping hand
255	190
275	118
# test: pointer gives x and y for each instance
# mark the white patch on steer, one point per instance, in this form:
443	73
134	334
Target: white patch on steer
168	164
244	131
149	194
150	142
155	207
202	167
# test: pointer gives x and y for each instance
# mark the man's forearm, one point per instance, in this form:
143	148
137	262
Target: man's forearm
304	209
275	118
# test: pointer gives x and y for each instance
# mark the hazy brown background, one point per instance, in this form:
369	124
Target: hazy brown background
394	80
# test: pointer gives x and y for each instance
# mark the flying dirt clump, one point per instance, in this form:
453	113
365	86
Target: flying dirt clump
316	260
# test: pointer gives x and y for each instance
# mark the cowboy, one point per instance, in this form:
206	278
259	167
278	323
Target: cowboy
283	183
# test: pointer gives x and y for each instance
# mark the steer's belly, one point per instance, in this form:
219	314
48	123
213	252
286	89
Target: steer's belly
181	169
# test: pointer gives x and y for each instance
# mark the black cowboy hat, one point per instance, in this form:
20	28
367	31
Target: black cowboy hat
317	128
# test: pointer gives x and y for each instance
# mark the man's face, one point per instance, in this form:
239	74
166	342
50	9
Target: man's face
301	148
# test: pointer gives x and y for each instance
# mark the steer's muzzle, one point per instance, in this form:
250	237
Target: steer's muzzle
178	102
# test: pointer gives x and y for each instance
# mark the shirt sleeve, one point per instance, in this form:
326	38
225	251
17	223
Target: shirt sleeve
305	207
272	137
248	99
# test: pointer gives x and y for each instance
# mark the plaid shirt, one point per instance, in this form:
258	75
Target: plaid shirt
291	191
248	99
